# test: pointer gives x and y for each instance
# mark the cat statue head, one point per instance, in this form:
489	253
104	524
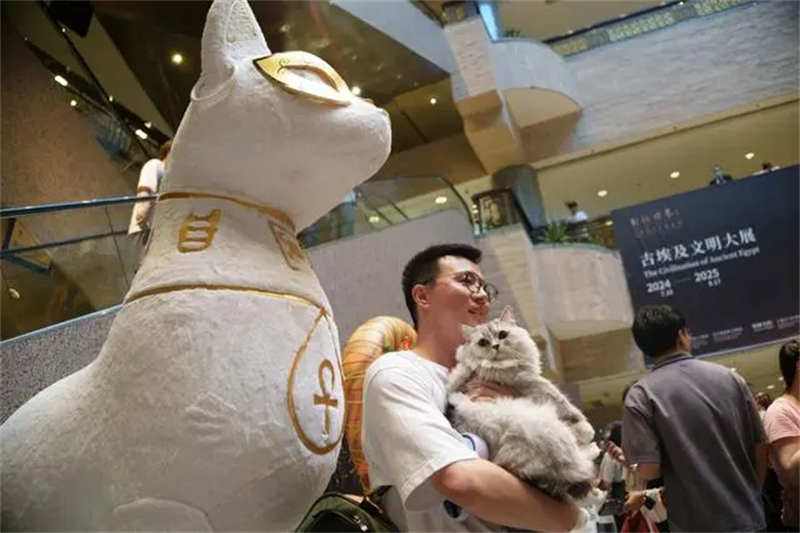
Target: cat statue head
282	130
499	343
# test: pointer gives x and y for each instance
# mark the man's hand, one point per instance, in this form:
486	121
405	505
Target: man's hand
478	391
615	452
634	502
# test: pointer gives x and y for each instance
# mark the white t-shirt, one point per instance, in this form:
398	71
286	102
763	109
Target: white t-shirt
407	439
149	178
579	216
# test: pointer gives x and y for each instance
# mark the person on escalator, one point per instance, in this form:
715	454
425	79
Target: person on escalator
149	181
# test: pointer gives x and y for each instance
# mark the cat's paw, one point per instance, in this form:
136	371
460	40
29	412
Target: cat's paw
590	451
584	432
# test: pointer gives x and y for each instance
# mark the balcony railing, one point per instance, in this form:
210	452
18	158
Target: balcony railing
499	208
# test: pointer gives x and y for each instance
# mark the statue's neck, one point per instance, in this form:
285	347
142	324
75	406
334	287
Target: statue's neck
204	239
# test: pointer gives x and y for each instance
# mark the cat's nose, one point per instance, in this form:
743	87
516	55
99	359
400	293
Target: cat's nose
496	346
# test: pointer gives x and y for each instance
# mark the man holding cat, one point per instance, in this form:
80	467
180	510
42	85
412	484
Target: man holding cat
408	442
695	423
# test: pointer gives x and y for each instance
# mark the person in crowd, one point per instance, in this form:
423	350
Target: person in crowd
695	423
763	401
782	425
612	472
576	214
719	177
771	491
576	222
644	506
149	182
407	440
766	168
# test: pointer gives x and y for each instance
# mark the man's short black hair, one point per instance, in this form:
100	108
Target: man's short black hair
788	357
425	266
571	204
656	329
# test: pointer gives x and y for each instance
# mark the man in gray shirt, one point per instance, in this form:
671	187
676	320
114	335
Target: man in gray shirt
696	424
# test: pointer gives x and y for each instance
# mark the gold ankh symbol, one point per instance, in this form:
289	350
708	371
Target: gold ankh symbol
326	399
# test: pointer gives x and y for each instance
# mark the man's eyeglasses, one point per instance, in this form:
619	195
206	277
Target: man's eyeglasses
473	282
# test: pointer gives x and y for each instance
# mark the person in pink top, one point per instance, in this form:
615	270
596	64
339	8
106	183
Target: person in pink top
782	425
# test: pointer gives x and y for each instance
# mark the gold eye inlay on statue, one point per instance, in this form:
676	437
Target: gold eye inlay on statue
279	68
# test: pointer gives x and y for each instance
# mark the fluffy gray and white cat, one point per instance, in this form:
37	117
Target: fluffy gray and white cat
539	436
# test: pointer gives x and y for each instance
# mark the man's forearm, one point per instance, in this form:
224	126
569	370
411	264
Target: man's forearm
494	495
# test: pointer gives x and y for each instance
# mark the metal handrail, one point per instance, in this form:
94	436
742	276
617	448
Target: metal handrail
15	212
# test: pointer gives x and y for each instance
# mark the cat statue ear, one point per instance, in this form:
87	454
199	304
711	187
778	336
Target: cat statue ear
467	331
231	35
508	315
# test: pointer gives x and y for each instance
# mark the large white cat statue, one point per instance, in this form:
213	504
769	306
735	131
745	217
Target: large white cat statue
216	402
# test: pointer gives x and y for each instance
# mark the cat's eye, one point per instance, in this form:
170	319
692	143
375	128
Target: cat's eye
279	67
502	335
483	343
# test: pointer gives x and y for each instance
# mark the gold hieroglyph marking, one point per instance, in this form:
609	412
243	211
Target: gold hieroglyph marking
292	251
261	208
327	445
197	232
326	399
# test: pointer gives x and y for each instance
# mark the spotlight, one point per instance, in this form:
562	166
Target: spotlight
770	387
73	103
749	155
61	80
602	193
374	219
357	90
177	58
433	101
441	200
110	98
148	125
139	133
675	175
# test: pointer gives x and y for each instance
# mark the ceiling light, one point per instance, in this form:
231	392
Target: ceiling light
374	219
357	90
110	98
675	175
780	378
148	125
602	193
61	80
749	155
284	28
14	293
433	100
733	368
609	223
73	103
139	133
177	58
770	387
441	200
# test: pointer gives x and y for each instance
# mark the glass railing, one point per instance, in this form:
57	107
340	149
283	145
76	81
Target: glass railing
63	261
378	204
627	26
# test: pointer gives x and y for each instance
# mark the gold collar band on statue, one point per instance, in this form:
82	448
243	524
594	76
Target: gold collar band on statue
219	287
271	211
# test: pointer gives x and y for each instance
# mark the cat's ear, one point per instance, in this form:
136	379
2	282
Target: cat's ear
466	331
231	34
508	315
